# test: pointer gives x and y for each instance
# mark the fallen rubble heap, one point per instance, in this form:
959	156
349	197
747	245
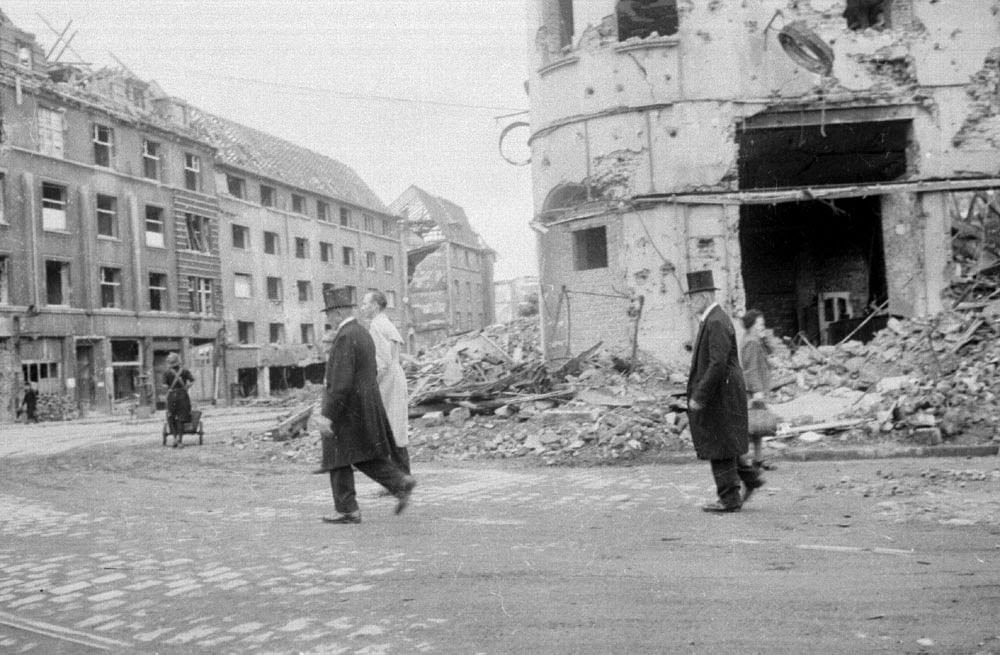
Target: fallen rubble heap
489	394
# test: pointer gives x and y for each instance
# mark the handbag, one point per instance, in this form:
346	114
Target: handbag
761	421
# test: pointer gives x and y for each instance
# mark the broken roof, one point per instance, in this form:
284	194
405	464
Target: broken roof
439	219
258	152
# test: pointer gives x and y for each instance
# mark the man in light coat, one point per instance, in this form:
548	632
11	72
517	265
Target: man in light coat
356	432
391	377
717	398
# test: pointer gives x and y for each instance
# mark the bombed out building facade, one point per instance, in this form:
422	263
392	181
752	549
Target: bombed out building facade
816	155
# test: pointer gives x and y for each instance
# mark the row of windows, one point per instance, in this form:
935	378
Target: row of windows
268	197
58	284
272	246
465	322
51	141
246	330
197	228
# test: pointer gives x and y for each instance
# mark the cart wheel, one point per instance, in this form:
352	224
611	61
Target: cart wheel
165	433
201	433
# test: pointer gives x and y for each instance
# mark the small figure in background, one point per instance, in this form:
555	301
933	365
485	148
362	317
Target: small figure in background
756	372
29	404
178	380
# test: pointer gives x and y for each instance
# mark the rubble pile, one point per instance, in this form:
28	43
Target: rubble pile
57	407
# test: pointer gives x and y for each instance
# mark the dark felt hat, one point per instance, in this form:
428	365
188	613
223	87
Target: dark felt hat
701	281
337	298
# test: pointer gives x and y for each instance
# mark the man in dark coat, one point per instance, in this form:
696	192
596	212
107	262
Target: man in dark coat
357	434
29	404
717	398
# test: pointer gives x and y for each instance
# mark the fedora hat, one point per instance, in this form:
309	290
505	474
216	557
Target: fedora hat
701	281
338	298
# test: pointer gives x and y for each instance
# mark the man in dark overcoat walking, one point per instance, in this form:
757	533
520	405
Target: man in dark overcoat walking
357	434
717	398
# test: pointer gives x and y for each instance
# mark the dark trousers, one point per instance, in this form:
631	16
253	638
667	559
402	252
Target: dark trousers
728	474
402	459
383	471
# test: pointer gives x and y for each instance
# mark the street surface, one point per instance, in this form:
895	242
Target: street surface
125	546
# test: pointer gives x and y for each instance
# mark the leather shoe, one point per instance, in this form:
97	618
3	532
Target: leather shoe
719	507
404	495
752	487
341	519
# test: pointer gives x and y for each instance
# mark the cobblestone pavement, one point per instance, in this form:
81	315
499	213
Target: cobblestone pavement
142	549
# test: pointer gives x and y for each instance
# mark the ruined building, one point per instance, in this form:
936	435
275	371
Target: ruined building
293	224
814	154
108	233
449	267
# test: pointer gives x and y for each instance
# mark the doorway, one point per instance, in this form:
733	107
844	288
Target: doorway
85	385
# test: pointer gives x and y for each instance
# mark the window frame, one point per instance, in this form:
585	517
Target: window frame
158	219
110	280
348	257
160	291
278	291
274	239
105	146
109	215
244	232
55	219
151	157
51	138
268	195
192	172
244	277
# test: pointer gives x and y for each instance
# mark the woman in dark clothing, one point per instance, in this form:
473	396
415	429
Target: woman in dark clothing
756	370
178	380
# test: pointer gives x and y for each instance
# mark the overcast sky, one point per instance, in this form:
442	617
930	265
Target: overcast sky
341	77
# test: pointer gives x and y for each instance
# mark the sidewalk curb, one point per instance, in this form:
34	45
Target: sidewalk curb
847	454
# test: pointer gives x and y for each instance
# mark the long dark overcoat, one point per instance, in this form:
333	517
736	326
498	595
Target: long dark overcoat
352	401
719	428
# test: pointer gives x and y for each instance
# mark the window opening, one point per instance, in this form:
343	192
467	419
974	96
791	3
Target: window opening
298	204
236	186
325	251
277	332
242	285
590	248
151	159
53	207
56	283
307	332
322	211
197	232
266	195
865	14
154	226
107	220
348	256
157	292
4	280
103	142
301	248
389	264
241	237
272	244
245	332
111	288
200	293
192	172
345	217
50	132
274	289
371	260
640	18
305	291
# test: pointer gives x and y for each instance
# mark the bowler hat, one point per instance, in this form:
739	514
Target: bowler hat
701	281
337	298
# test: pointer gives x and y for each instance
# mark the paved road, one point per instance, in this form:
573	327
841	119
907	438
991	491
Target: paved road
137	548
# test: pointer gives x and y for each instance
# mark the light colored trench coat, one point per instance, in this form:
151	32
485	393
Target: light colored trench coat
391	378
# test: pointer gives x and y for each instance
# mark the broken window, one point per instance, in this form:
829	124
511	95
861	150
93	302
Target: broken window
107	218
305	291
242	285
103	142
4	280
236	186
157	292
111	288
277	332
563	198
272	244
865	14
192	172
245	332
151	159
274	289
640	18
200	295
154	226
301	248
241	237
267	195
197	232
308	332
56	282
325	251
53	207
50	132
590	248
